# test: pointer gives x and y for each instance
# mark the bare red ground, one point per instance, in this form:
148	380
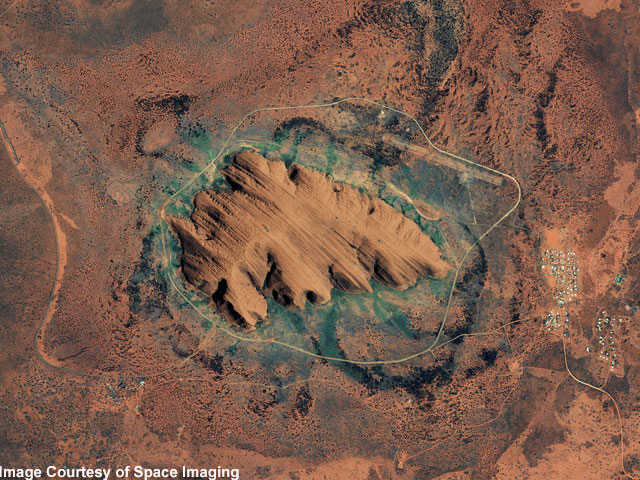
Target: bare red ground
545	91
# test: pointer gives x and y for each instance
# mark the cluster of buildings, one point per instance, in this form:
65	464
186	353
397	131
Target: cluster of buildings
607	326
556	319
563	269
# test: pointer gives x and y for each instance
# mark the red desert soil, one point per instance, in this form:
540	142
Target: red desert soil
294	234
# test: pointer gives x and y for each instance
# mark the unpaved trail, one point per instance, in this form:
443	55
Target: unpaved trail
60	239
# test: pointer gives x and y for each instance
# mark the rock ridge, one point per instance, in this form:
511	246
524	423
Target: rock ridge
293	234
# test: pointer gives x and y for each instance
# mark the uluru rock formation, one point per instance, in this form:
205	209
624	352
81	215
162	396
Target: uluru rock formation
294	234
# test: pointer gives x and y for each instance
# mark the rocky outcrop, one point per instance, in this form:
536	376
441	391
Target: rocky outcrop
293	235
